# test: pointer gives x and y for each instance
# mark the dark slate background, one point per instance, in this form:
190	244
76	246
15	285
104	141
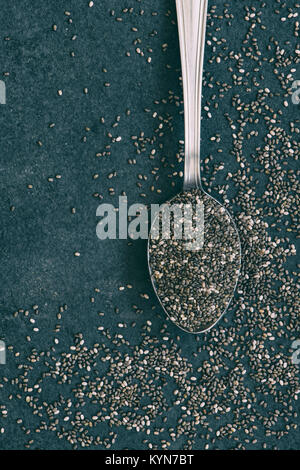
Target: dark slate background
39	237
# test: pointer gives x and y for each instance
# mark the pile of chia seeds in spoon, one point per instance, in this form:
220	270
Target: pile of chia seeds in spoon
196	286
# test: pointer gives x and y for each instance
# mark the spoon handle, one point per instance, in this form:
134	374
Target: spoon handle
191	16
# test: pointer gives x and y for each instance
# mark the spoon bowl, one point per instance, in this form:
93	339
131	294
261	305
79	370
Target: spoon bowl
195	276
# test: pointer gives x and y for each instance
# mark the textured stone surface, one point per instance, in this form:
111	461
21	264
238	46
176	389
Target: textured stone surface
39	234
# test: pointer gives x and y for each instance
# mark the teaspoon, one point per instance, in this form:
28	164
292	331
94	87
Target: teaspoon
194	285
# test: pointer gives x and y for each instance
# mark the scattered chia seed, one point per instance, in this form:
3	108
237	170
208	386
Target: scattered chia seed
111	372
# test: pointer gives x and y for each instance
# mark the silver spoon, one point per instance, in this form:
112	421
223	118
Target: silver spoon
195	287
